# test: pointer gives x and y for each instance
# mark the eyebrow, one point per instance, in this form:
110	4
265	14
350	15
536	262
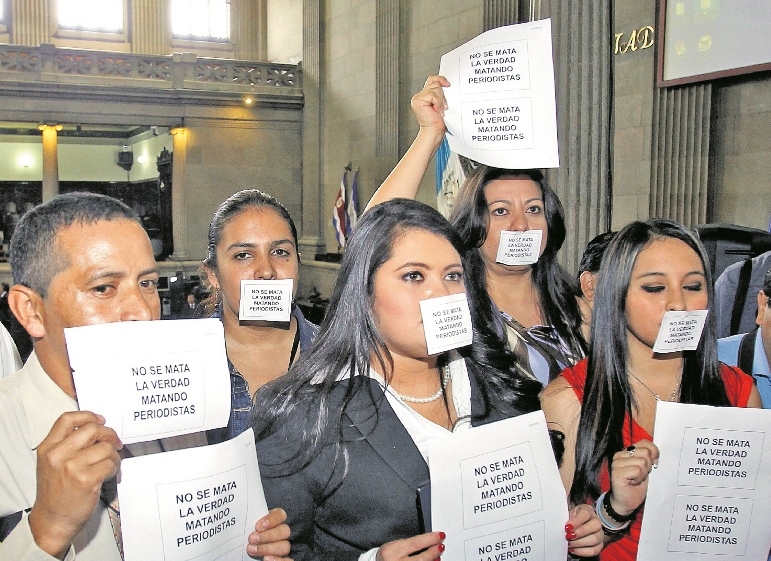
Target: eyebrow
660	274
250	245
508	201
117	274
426	266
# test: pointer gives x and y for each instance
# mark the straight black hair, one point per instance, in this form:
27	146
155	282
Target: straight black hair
608	397
349	342
556	288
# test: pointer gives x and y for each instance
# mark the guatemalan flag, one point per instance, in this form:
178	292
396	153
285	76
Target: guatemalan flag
352	208
449	177
339	215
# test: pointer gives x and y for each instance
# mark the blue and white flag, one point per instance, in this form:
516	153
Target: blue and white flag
352	208
339	215
449	178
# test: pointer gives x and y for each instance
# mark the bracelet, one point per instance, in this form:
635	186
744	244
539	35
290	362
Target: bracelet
613	514
607	527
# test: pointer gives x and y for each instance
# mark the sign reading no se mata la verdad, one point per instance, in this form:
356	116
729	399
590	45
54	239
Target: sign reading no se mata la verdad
152	379
496	492
200	503
501	104
446	323
708	498
680	331
519	248
266	300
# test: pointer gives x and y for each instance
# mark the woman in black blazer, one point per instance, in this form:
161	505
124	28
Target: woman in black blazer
340	438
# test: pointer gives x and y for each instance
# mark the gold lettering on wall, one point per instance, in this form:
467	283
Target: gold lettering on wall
638	40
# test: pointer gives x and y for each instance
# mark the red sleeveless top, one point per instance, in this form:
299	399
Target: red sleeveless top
738	387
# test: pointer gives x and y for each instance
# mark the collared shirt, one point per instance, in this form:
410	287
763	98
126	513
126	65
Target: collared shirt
728	352
30	403
725	294
10	361
241	395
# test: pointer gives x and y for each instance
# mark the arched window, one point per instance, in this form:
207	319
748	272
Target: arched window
207	20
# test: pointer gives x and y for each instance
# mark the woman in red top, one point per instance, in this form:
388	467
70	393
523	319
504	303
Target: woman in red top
606	404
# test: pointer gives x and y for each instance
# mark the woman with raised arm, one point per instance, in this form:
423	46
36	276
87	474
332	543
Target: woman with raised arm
252	237
535	304
342	439
606	404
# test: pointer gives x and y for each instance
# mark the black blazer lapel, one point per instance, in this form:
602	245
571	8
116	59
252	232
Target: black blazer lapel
378	424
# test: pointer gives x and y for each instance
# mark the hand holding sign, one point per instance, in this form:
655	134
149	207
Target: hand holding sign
76	457
709	496
429	105
270	536
629	475
501	108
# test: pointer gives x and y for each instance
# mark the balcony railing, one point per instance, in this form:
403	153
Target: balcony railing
180	71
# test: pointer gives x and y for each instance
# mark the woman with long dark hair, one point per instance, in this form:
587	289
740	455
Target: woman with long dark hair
342	438
252	237
606	405
536	304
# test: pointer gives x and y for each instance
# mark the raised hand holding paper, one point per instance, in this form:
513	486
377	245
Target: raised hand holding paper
496	492
199	503
501	106
152	379
709	497
446	323
519	248
680	331
266	300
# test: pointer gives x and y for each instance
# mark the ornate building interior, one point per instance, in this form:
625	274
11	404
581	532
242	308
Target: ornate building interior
282	95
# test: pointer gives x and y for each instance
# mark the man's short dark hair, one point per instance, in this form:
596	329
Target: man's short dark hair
767	284
595	249
34	258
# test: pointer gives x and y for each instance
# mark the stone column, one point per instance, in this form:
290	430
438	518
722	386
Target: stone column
387	74
311	229
680	153
497	13
150	27
31	22
581	38
50	160
178	206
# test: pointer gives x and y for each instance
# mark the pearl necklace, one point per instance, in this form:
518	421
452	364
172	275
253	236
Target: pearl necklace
430	398
656	396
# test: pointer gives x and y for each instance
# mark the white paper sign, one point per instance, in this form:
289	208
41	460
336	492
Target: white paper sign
680	331
446	323
501	109
709	497
266	300
199	503
152	379
497	494
519	248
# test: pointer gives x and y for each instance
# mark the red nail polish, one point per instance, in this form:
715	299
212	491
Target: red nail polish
440	547
437	559
568	527
442	535
570	535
